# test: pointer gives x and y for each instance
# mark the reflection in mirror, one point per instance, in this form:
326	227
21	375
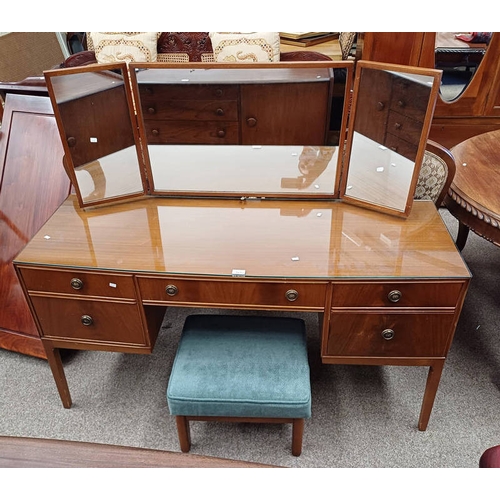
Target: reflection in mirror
233	119
111	176
93	114
392	116
459	56
244	169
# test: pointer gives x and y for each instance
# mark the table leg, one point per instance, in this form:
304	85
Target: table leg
463	232
431	387
56	366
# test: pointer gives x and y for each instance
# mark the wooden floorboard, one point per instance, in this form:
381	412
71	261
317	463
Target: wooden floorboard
20	452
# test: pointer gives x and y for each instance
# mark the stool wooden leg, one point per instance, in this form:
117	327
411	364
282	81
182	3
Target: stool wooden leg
183	432
297	434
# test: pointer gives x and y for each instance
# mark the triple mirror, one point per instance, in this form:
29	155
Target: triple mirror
301	130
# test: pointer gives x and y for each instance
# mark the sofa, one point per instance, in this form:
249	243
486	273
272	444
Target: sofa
183	47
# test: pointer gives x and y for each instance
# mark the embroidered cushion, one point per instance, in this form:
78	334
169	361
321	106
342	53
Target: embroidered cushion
111	47
259	46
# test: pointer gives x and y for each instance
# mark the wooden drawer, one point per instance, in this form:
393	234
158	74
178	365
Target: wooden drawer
369	334
192	132
164	92
115	322
79	283
411	294
410	98
404	148
202	110
404	127
248	293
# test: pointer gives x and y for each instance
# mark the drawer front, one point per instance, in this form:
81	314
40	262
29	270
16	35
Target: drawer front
192	132
410	99
79	283
404	148
404	127
403	294
388	335
164	92
203	110
227	293
89	320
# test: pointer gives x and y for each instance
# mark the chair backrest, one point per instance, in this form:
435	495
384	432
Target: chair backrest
436	173
346	42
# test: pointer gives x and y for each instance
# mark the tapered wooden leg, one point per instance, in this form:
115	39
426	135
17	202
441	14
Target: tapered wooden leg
297	435
183	432
463	232
431	387
56	366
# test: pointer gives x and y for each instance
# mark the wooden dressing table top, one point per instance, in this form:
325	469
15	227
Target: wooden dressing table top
266	239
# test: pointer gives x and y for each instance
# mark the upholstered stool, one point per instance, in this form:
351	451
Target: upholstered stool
241	369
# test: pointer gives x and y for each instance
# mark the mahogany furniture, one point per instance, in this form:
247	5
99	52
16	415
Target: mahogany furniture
260	227
390	289
23	452
476	111
33	184
473	195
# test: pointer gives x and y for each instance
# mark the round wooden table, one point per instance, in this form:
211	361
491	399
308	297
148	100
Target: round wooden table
474	195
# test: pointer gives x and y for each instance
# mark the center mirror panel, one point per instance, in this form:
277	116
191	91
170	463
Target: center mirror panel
93	107
236	130
391	119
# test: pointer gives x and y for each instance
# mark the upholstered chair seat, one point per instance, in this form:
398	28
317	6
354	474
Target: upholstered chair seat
241	368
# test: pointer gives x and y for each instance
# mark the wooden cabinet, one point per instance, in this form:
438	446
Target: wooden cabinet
396	112
238	109
476	111
33	184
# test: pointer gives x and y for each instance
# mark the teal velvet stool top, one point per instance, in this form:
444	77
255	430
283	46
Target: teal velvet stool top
243	368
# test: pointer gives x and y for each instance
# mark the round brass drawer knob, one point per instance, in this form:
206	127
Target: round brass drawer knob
292	295
171	290
394	296
251	122
76	283
87	320
388	334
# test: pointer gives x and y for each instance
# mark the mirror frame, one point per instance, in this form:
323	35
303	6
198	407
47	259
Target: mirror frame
68	162
434	93
334	194
349	111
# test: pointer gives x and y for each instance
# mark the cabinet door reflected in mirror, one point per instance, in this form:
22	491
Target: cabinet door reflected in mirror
243	128
92	109
392	114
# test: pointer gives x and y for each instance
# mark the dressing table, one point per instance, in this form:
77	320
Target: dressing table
256	227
